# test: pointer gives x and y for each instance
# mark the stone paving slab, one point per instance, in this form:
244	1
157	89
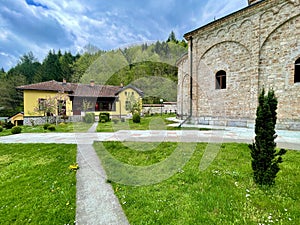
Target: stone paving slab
243	135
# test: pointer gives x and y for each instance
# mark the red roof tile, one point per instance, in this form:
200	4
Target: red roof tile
95	91
49	86
84	90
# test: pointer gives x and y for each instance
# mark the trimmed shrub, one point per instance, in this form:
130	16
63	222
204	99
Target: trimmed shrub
104	116
8	125
46	125
51	128
89	118
136	118
16	130
1	128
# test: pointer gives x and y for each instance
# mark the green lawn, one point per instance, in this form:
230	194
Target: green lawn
224	193
5	132
36	185
155	122
62	127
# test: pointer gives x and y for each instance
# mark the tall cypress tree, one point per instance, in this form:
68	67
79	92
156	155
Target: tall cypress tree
265	158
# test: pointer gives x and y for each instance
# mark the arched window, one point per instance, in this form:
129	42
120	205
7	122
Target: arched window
221	79
297	71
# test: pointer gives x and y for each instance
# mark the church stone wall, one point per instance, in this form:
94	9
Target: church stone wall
183	88
257	47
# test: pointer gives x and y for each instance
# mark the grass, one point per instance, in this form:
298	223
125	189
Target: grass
5	132
155	122
36	185
224	193
62	127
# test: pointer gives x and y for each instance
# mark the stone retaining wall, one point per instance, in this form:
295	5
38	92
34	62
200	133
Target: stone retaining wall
38	120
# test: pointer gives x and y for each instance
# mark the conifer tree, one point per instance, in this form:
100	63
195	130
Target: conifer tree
265	158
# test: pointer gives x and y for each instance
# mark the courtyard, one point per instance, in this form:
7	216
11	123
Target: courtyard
118	182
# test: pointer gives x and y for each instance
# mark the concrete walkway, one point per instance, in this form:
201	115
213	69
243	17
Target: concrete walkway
96	202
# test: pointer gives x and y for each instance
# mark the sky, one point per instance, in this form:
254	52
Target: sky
69	25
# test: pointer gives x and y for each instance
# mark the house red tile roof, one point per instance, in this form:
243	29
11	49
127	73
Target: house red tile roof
49	86
79	90
84	90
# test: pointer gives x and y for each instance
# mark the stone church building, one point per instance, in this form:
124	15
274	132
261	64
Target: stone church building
231	59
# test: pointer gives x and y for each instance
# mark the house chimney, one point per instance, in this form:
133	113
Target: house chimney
92	83
64	81
251	2
121	84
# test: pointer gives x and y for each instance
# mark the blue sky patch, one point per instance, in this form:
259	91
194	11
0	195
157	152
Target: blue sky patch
71	25
31	2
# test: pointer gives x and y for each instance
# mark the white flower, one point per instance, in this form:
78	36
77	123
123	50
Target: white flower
247	195
285	210
290	219
247	190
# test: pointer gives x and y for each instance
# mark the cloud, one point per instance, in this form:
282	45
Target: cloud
41	25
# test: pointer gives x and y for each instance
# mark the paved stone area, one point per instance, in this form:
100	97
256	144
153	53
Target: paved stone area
285	139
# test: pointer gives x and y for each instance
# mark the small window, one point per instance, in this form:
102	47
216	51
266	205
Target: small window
61	107
221	79
42	103
128	105
297	71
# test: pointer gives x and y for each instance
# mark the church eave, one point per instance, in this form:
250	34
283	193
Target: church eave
190	34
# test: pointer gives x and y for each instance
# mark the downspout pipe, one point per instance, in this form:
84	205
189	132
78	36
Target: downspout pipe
191	83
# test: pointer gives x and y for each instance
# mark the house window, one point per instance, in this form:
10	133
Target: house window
128	105
221	79
297	71
61	107
41	103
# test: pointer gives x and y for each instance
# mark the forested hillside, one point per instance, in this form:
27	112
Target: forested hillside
151	67
156	79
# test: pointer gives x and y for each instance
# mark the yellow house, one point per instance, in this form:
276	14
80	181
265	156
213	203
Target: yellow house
72	100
